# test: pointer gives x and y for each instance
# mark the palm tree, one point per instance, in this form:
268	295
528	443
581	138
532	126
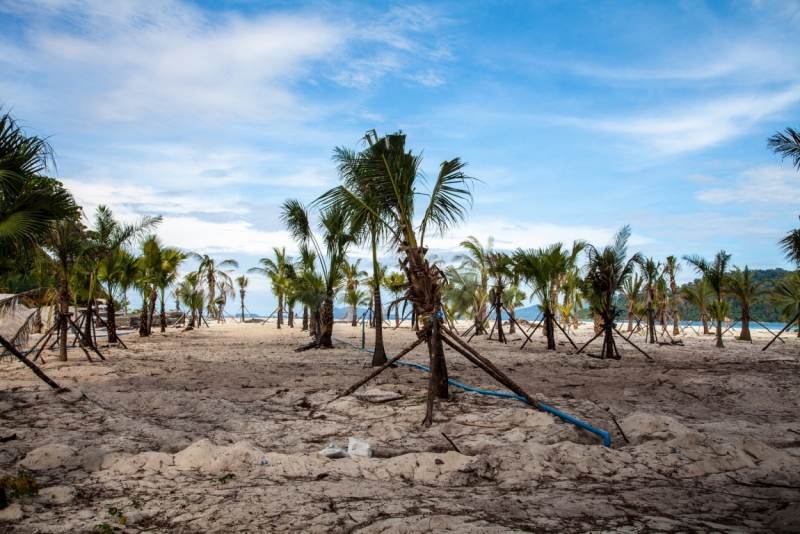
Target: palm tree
109	237
607	271
741	286
306	264
632	292
513	298
714	273
500	268
671	270
651	278
192	296
698	294
543	270
242	281
395	282
386	190
211	271
787	145
117	270
785	296
477	260
463	293
352	275
29	200
336	239
276	270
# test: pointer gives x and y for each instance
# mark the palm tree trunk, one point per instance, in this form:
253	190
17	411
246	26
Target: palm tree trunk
241	294
291	317
305	318
651	326
152	314
379	354
720	344
64	308
512	319
355	316
704	318
438	386
87	325
630	320
549	325
280	310
163	317
676	318
744	335
327	323
497	299
111	320
597	323
143	316
317	333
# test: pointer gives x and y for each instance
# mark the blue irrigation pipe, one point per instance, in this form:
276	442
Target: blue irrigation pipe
577	422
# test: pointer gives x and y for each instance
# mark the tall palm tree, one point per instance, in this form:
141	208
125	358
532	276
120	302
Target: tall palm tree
740	284
242	282
714	273
305	264
632	292
117	270
276	269
607	271
352	274
785	296
210	271
652	276
787	145
476	259
698	294
671	270
192	296
336	239
387	189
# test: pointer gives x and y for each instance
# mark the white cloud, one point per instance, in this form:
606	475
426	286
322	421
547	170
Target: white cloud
701	178
221	238
772	185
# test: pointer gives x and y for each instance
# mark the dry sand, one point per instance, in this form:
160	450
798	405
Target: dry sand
714	438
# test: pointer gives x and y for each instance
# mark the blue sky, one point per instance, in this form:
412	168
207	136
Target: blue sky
578	117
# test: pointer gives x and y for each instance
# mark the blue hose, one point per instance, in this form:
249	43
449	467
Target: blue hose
577	422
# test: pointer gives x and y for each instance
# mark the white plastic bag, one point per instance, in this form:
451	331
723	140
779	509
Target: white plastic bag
332	451
356	447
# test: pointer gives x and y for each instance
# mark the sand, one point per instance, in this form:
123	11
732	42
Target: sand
713	438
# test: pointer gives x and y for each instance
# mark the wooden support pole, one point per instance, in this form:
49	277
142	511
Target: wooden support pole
789	324
29	364
382	368
633	344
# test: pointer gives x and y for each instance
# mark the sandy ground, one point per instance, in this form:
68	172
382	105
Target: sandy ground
713	438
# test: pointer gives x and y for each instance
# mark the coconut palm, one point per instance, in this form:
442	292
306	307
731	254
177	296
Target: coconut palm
671	270
698	294
513	298
463	293
714	273
352	276
500	268
210	271
476	259
242	282
785	296
787	145
632	292
395	282
192	295
607	271
386	189
652	276
336	239
276	269
305	264
740	284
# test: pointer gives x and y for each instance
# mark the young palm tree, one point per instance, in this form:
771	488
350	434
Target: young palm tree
352	275
543	270
607	271
306	264
698	295
632	293
117	270
671	269
463	293
500	268
336	240
741	286
210	271
276	269
785	296
476	260
651	277
714	273
387	189
396	283
513	298
242	281
193	297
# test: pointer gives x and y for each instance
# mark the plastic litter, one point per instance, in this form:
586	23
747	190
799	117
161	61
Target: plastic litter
356	447
332	451
264	462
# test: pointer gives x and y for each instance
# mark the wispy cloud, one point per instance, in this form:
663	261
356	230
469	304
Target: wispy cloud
771	185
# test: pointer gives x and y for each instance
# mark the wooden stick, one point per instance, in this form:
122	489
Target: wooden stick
381	369
789	324
587	343
529	336
562	330
487	425
511	317
770	331
634	345
82	336
501	377
32	366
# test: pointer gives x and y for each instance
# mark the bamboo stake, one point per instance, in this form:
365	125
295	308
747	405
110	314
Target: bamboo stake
770	331
634	345
381	369
789	324
32	366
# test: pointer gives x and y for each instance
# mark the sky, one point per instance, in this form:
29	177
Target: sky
576	117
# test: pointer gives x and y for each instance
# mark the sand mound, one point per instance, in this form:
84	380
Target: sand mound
640	427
